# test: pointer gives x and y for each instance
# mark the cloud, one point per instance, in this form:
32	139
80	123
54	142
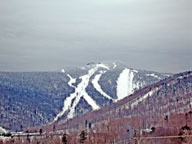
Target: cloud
78	31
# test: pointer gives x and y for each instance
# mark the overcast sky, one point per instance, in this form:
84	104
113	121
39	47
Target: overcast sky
45	35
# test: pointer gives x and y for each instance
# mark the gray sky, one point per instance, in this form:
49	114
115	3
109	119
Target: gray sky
45	35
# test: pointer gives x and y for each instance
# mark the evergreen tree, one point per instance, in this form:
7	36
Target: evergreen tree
82	136
64	139
28	138
89	125
53	127
40	131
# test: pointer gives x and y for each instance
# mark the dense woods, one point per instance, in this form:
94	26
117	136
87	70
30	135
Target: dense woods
159	113
30	99
35	98
119	131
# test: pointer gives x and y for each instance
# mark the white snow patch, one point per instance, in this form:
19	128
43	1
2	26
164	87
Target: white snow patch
153	75
114	65
62	70
90	101
98	87
150	93
2	130
80	91
148	130
166	75
180	77
102	72
102	66
4	138
71	81
137	85
135	71
125	84
66	106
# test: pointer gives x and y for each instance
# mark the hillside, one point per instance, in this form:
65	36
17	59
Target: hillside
36	98
158	113
161	109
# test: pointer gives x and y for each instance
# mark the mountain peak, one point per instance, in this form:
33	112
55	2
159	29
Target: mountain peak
55	96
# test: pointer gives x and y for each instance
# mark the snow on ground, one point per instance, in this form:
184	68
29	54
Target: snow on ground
71	81
98	87
125	83
62	70
114	65
102	66
5	138
80	92
66	106
135	71
2	130
150	93
137	85
153	75
148	130
90	101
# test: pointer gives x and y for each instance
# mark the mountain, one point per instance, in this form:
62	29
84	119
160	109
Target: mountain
36	98
158	113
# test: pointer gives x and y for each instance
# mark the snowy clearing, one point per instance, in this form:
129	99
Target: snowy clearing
153	75
150	93
98	87
80	91
125	84
71	81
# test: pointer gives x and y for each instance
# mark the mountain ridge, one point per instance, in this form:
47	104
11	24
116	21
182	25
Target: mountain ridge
91	87
162	109
132	105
